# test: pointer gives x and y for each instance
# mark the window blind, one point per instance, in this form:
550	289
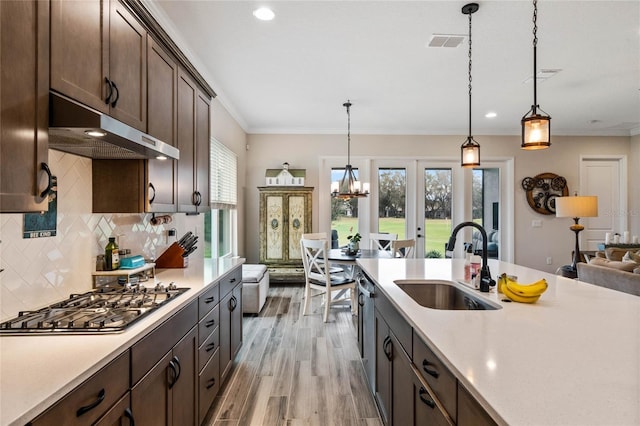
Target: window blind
224	176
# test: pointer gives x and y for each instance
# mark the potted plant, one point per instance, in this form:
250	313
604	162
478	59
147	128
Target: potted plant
354	243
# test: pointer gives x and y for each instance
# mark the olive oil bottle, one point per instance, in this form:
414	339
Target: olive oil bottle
111	255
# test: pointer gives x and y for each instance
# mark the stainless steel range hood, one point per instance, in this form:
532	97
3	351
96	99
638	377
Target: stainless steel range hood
71	125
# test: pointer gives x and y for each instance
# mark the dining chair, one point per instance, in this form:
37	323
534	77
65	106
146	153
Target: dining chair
381	241
403	248
316	266
322	236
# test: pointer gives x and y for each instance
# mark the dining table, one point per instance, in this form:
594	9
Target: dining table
340	256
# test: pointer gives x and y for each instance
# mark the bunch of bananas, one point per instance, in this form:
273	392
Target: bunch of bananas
523	293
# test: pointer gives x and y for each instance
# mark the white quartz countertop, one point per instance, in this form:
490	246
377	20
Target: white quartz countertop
572	358
37	370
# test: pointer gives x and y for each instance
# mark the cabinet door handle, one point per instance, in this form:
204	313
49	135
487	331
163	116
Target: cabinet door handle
429	371
173	376
210	323
210	347
425	399
115	101
196	198
209	299
46	169
153	197
108	98
91	406
178	366
129	415
233	303
361	299
386	347
211	383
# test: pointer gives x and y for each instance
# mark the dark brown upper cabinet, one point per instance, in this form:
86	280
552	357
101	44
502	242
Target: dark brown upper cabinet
24	106
99	58
193	143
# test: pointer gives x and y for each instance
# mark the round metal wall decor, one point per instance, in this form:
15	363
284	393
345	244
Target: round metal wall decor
542	191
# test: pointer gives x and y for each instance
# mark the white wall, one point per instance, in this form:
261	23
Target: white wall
634	186
532	245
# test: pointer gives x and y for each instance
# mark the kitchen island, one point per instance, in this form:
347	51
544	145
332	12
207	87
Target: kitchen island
572	358
37	370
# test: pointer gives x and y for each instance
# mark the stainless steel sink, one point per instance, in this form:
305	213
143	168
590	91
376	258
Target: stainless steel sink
439	294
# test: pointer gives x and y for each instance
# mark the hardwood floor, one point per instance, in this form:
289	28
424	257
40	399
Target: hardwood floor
296	370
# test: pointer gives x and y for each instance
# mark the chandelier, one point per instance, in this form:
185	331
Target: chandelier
349	187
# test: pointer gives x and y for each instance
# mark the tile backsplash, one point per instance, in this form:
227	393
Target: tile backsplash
41	271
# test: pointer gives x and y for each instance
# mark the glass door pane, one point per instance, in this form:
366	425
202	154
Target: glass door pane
485	198
437	210
392	206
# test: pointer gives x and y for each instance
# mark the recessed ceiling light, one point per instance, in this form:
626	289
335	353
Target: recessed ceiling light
264	14
491	114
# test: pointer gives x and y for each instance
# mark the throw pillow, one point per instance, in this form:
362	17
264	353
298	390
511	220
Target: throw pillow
627	257
614	264
636	256
615	253
637	270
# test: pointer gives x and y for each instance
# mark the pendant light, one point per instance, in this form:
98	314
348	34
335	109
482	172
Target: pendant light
349	187
536	127
470	149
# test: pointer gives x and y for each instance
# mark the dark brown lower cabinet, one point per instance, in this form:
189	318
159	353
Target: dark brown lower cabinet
119	415
230	329
166	395
470	412
383	369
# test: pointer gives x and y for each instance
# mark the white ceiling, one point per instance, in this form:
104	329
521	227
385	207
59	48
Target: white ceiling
292	74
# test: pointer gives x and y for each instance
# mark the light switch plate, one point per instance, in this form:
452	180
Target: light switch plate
536	223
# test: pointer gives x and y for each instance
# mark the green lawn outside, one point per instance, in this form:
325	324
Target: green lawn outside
437	230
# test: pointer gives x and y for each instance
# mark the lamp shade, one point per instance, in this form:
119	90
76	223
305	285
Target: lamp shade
577	206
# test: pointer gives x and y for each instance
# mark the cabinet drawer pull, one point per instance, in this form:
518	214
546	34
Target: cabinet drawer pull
209	299
129	415
429	371
232	280
210	347
91	406
211	383
425	399
210	323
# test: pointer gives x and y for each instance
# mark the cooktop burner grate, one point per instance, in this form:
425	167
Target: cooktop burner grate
104	311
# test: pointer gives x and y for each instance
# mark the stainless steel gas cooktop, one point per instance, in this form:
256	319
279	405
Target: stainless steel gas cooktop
99	311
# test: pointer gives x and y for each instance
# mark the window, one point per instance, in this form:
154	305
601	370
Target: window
220	222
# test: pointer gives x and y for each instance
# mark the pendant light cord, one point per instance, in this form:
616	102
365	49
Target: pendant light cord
470	75
535	44
348	105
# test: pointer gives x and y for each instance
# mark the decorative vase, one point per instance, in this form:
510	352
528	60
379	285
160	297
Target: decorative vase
353	247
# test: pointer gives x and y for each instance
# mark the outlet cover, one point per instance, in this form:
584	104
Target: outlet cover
536	223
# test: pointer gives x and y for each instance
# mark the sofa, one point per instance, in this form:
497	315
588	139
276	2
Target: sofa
613	274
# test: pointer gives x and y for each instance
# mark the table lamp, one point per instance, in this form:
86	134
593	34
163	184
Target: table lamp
576	207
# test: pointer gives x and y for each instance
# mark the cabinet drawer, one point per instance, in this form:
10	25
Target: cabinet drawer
208	300
208	384
399	326
207	348
230	281
120	411
148	351
208	324
439	378
86	403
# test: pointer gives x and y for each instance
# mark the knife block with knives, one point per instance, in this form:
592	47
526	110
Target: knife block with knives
177	255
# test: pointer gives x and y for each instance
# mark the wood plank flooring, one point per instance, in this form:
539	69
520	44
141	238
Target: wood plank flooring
296	370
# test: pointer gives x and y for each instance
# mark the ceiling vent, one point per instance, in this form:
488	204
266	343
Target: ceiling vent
446	40
543	75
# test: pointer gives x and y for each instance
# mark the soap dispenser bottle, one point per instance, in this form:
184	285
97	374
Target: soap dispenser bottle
467	263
